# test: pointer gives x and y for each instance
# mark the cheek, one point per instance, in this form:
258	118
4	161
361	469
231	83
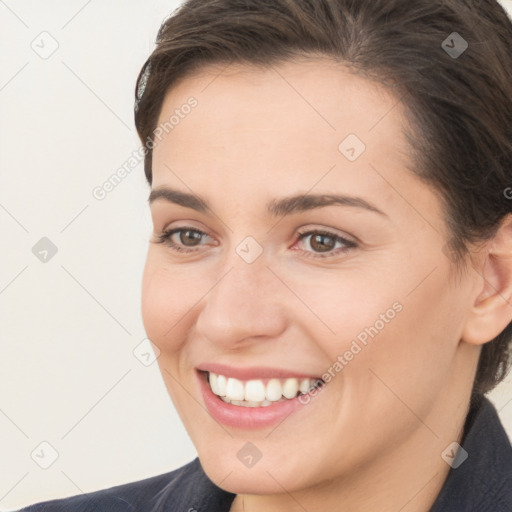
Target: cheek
373	322
338	309
167	303
410	360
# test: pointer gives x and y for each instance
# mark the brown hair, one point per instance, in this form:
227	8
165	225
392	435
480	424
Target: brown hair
460	105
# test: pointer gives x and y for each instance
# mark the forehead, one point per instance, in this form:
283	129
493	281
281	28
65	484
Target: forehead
308	123
320	92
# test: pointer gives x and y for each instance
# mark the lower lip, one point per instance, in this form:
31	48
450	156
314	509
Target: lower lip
246	417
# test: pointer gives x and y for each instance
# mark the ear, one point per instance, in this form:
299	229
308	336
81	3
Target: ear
492	308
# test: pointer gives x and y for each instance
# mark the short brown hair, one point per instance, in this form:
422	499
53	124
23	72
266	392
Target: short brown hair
459	105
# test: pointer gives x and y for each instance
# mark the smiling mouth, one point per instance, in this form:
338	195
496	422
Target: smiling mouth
259	392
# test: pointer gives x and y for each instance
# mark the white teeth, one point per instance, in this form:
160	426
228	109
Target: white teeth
290	388
254	393
304	385
235	389
250	403
221	385
213	383
274	391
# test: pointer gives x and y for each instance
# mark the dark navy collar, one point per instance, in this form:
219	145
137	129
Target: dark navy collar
483	482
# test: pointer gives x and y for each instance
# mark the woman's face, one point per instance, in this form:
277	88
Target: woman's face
276	278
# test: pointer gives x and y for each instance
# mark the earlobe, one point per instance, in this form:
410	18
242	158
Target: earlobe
492	308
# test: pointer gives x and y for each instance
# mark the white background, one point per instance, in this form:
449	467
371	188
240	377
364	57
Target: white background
69	326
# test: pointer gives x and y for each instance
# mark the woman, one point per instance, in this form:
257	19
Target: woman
329	279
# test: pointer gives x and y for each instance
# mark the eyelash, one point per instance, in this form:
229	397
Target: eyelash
165	238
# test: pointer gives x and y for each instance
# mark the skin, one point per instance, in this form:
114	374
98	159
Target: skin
372	438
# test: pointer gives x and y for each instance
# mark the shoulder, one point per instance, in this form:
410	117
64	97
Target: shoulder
183	486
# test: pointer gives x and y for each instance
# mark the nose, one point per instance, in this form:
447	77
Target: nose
245	304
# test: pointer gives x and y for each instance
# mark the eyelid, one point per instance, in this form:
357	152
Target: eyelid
328	231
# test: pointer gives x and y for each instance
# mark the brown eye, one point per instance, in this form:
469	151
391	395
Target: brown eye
189	237
322	243
183	239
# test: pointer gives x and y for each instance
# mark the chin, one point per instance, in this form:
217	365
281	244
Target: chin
267	476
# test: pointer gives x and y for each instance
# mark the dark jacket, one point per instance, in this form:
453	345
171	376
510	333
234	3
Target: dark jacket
482	483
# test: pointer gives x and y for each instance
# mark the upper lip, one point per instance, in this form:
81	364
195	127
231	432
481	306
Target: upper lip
252	372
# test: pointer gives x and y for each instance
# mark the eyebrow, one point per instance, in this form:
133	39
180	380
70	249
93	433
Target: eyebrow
276	207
